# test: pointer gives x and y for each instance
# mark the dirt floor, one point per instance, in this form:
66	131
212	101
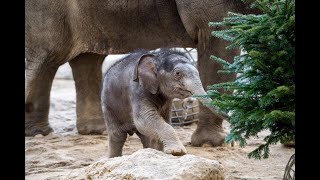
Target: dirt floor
56	155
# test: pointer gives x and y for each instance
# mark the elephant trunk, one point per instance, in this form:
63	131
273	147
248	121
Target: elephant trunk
197	89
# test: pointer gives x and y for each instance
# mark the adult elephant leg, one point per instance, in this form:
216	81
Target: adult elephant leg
87	74
39	77
209	129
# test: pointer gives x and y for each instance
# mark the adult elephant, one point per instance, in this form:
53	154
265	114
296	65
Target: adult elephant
84	32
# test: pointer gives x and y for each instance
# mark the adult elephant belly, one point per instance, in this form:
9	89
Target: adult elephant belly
123	26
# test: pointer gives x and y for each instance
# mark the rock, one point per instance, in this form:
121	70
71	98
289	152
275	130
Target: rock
105	132
110	60
38	136
151	164
289	144
206	145
64	72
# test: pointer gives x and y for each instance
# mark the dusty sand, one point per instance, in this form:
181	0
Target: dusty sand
56	155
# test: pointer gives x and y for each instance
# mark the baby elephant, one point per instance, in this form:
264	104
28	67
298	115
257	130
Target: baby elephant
137	96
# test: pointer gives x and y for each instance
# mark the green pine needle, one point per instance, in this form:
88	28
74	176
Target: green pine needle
264	91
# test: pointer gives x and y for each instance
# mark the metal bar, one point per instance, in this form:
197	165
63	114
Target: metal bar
186	122
174	110
192	114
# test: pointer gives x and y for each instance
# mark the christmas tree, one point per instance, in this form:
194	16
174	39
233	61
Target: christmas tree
264	91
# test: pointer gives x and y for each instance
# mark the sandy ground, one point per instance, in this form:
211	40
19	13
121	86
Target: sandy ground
56	155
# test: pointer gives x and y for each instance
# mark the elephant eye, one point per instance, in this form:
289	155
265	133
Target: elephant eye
177	74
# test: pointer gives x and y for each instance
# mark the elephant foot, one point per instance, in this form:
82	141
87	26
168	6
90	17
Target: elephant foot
176	150
207	136
33	130
92	127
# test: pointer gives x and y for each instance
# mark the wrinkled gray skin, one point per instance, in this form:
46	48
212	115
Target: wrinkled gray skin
137	96
84	32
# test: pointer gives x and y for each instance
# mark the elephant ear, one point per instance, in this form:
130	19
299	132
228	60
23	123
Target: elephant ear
146	73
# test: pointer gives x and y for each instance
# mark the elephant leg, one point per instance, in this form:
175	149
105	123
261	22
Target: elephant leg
144	140
116	142
209	129
149	123
39	77
156	144
87	74
150	143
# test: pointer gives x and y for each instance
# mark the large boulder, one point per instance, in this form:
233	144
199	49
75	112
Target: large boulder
64	72
151	164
